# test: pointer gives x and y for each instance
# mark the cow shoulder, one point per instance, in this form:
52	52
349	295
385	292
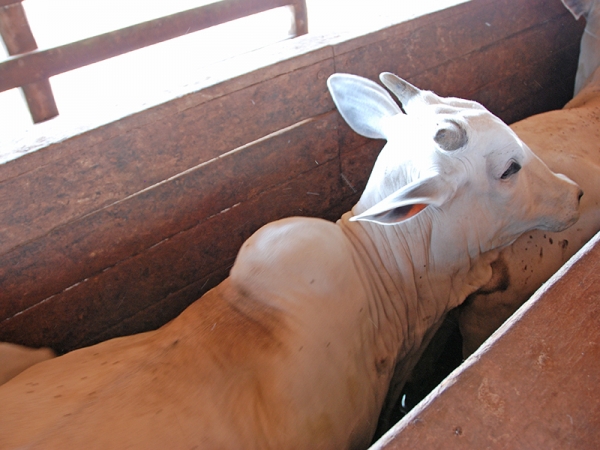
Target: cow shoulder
294	257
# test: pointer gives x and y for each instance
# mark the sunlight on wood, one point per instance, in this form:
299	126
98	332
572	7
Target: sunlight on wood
114	88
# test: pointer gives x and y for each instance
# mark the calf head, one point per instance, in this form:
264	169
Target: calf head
453	163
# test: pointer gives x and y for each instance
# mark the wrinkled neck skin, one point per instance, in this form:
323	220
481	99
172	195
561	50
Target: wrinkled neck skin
421	260
420	279
416	279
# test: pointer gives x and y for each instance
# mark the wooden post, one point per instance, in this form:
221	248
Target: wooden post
300	17
18	39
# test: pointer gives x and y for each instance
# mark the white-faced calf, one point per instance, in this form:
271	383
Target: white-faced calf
298	348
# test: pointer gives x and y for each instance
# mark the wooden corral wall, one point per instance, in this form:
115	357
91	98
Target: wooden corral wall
116	230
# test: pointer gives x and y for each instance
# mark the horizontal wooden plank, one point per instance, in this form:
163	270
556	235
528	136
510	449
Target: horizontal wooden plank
409	49
556	92
521	66
532	385
46	266
518	54
101	301
17	37
42	64
157	314
527	106
61	138
551	78
39	201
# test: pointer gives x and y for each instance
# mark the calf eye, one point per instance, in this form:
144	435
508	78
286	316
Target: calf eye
512	169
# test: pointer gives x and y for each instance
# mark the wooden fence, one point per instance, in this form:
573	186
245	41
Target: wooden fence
30	68
116	229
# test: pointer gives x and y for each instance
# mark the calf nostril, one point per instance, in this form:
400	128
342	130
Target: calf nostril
580	195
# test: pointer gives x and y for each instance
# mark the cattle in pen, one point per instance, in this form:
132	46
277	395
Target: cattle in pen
317	321
567	140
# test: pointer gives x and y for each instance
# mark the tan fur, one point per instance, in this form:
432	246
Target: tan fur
568	141
227	373
14	359
91	390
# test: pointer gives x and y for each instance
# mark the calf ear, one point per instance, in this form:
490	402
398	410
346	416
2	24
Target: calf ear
363	104
408	201
401	88
408	94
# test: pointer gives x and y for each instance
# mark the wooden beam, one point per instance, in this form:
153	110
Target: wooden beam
98	174
503	74
63	257
410	48
300	17
111	296
18	39
41	64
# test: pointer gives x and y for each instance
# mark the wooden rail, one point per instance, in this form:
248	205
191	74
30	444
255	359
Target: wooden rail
30	68
18	39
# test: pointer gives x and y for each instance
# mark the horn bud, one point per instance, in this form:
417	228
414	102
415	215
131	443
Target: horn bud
451	136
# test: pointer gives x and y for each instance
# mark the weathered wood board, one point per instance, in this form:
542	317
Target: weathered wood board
116	229
542	396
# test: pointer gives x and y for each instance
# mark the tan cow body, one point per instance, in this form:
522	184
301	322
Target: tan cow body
568	141
298	347
14	359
